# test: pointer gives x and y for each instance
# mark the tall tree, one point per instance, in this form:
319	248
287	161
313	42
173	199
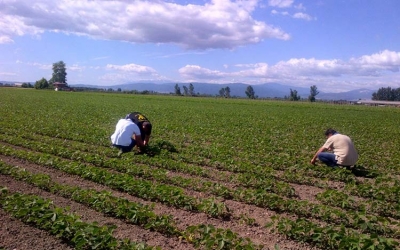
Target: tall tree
191	90
222	92
293	95
227	92
177	90
313	93
59	73
250	92
185	90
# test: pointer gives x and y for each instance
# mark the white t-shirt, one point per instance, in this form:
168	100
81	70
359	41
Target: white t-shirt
124	131
343	148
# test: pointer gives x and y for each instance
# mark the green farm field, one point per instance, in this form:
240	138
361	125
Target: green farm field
219	174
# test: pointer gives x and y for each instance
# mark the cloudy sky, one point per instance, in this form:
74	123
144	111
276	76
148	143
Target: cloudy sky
337	45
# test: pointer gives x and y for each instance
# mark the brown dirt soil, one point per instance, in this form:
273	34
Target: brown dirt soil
17	235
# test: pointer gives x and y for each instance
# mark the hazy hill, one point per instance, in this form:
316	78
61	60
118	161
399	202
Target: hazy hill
268	90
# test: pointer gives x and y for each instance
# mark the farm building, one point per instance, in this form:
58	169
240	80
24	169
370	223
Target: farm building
378	103
58	86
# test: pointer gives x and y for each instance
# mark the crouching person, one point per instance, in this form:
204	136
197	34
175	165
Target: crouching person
343	151
127	135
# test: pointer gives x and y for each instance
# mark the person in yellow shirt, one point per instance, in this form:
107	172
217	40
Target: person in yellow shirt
343	152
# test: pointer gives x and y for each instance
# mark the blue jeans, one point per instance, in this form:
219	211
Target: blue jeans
328	158
126	148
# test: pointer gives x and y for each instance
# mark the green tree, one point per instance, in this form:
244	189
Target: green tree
177	90
313	93
386	94
185	90
59	73
42	84
293	95
27	85
227	92
222	92
250	92
191	90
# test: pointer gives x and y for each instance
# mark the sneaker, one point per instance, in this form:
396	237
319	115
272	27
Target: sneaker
120	153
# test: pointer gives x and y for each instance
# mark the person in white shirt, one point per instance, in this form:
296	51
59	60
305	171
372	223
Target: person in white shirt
344	153
127	135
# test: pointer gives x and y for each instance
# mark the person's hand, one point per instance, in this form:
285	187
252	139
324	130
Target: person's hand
313	161
142	150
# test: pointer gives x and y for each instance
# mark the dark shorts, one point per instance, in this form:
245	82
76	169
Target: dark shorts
126	148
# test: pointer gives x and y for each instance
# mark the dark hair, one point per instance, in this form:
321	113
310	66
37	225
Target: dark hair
147	126
330	131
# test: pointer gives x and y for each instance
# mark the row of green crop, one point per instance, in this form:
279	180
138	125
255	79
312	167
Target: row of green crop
73	152
205	236
59	222
132	212
379	191
169	195
183	162
329	237
104	202
339	199
266	181
258	197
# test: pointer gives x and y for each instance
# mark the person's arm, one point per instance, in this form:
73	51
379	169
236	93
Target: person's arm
321	149
146	140
139	142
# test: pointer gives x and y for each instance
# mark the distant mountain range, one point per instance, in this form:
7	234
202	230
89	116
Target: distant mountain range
267	90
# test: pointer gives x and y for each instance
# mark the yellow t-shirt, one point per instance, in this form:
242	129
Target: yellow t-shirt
343	148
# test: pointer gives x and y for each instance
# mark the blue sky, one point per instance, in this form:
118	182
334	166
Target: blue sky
337	45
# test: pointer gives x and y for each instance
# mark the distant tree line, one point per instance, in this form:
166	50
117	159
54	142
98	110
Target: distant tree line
386	94
60	75
26	85
186	91
23	85
250	93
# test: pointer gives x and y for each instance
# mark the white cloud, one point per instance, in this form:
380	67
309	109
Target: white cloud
386	59
5	39
298	15
130	72
301	15
289	4
75	67
36	65
283	13
216	24
133	68
359	72
280	3
191	72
